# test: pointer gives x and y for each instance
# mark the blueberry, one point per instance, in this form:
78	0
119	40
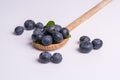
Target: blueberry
38	31
37	37
34	37
39	25
47	40
54	28
56	58
57	37
84	38
29	24
65	32
19	30
45	31
58	27
51	29
85	47
37	34
97	43
45	57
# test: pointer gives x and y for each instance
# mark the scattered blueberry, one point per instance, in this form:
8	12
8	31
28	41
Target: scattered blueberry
47	40
29	24
39	25
85	47
65	32
19	30
45	57
84	38
97	43
57	37
56	58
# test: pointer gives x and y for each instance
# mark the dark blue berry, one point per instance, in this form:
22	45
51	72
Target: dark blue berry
39	25
54	28
37	37
65	32
19	30
45	57
97	43
58	27
85	47
45	31
38	31
56	58
84	38
29	24
51	29
47	40
57	37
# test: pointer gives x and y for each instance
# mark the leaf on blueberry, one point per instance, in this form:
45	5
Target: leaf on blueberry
37	42
50	23
69	36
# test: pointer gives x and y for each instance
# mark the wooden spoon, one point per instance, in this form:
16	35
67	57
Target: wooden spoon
72	26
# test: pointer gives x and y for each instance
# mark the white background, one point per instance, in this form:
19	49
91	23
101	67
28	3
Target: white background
18	59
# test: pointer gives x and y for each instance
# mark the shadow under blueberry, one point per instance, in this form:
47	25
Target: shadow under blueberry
31	45
78	42
13	33
80	51
39	61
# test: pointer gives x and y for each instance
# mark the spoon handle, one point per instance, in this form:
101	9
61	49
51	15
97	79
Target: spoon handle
87	15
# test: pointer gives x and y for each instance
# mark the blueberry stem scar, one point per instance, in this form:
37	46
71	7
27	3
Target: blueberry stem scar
73	25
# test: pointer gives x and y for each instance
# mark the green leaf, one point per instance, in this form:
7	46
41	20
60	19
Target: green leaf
69	36
37	42
50	23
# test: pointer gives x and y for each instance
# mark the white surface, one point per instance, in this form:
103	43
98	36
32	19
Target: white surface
18	59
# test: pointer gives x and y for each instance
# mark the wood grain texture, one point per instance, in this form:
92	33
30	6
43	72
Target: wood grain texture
87	15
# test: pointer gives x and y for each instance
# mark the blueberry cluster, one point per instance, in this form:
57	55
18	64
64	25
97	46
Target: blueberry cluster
86	46
51	33
46	57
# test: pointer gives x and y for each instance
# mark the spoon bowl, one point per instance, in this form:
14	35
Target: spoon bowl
49	47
